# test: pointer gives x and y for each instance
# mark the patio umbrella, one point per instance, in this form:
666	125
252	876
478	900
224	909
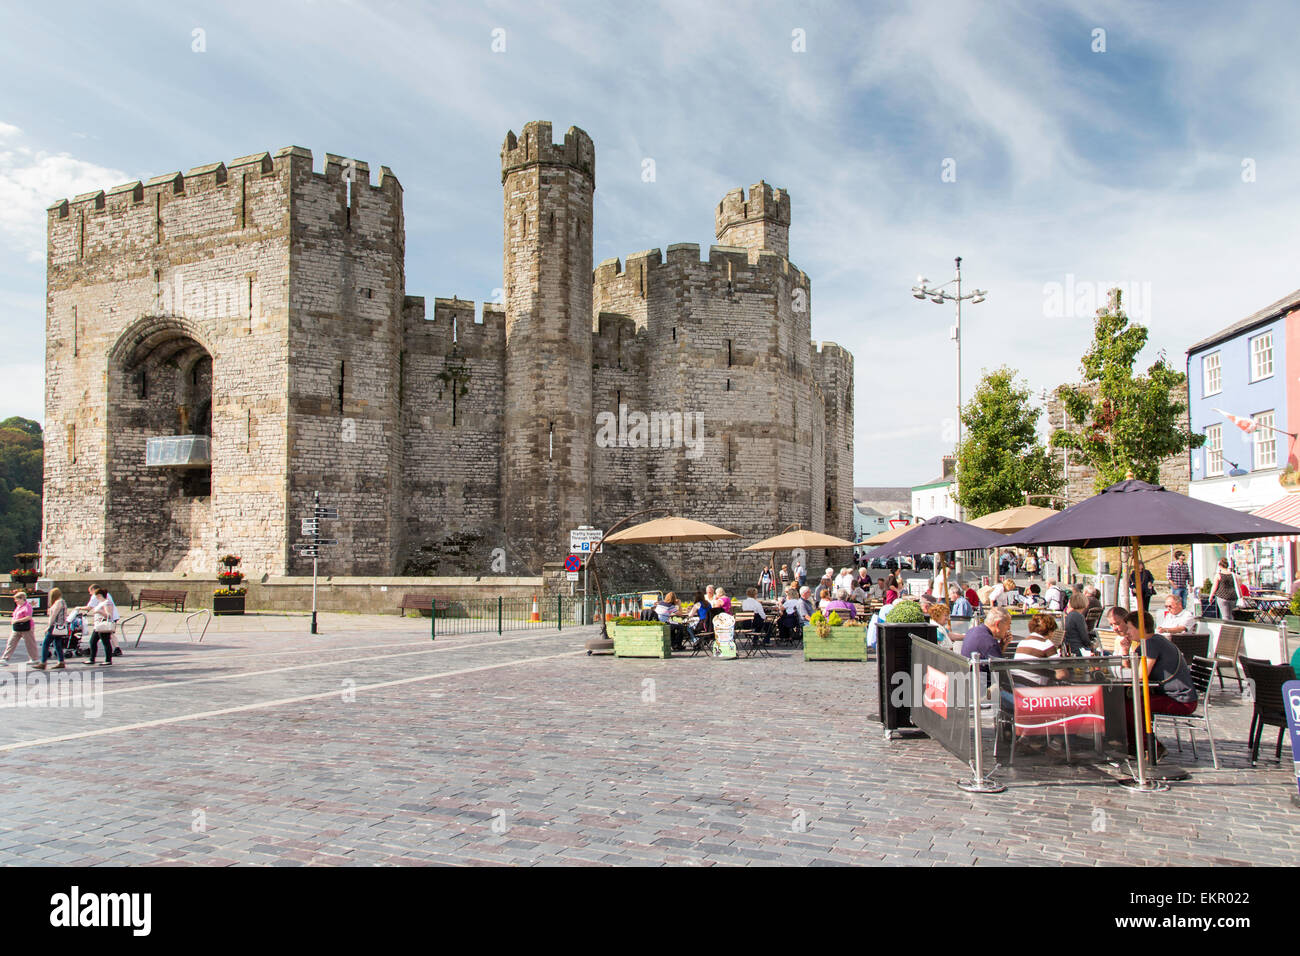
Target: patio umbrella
935	536
1011	520
1130	512
798	538
668	530
889	534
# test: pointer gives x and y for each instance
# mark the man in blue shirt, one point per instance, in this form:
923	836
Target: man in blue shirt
988	638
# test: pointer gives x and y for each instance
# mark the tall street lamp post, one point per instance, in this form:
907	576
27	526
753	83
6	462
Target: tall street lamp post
937	294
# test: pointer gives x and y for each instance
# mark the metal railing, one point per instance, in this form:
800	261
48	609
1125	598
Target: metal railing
496	615
206	622
143	624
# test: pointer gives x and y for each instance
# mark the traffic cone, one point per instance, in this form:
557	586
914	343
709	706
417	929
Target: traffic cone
535	616
622	611
609	610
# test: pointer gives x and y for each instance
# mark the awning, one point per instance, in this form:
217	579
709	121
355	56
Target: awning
1286	510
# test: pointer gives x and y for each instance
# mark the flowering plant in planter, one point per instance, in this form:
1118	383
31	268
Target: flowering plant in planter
230	577
230	592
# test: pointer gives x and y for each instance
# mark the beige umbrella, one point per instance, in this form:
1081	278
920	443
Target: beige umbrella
1011	520
884	537
798	538
668	530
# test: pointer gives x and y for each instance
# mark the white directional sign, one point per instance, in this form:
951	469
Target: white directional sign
310	526
330	513
571	575
585	540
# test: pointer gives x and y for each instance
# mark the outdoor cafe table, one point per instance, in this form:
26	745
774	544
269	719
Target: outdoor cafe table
1269	608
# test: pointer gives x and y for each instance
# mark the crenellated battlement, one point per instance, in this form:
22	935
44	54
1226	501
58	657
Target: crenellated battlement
534	147
452	325
754	221
212	175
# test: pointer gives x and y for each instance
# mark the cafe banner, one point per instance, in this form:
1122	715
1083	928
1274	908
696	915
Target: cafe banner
1071	709
939	691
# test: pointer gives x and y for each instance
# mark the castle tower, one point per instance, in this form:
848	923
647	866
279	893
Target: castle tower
759	221
547	444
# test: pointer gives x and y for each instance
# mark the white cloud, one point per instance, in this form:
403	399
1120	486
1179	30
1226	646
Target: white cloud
30	180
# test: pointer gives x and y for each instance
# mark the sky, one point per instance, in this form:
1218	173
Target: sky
1059	149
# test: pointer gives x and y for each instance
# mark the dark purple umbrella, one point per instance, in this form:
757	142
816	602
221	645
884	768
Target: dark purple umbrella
1130	513
938	535
1134	509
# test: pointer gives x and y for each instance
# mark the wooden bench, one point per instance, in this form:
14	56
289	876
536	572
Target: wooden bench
158	596
420	602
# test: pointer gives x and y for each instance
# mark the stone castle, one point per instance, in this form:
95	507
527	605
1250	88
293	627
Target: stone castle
258	309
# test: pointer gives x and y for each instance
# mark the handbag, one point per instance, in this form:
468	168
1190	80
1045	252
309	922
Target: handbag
22	626
103	627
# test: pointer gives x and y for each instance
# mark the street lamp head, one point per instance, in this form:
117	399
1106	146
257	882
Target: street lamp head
918	294
979	297
937	299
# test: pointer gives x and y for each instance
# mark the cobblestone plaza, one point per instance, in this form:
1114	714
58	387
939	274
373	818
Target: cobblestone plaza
370	745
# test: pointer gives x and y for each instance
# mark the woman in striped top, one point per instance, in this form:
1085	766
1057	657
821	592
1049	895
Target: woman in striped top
1041	644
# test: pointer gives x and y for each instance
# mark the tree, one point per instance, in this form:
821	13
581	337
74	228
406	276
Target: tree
1000	459
1128	423
22	454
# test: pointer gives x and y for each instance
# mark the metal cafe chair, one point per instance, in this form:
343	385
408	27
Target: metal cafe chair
1270	706
1226	651
1202	669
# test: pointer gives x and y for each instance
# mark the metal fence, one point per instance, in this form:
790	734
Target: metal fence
498	615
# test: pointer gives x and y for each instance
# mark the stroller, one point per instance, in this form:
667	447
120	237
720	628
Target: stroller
75	644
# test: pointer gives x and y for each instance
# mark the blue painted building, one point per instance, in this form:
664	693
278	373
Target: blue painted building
1249	371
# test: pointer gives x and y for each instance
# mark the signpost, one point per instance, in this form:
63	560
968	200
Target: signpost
583	543
1291	699
311	547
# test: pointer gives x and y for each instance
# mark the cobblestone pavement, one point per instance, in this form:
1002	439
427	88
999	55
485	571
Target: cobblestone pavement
368	744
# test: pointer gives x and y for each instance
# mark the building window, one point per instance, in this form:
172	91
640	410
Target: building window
1213	374
1261	356
1265	441
1213	451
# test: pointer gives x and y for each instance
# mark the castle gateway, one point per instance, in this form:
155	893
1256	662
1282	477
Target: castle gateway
222	343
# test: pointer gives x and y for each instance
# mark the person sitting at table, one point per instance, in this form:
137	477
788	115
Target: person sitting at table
864	577
827	581
721	601
1117	619
667	607
859	594
1056	596
972	595
1009	597
794	614
1093	595
806	599
843	580
703	613
1176	619
1041	644
961	606
842	604
1033	597
939	618
1077	639
891	592
1170	679
989	638
753	605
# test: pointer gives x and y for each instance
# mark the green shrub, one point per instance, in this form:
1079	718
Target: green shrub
905	612
636	622
1295	603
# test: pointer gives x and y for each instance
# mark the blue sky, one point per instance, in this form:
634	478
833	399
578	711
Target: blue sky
1073	167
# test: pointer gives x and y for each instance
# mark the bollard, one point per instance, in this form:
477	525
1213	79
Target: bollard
559	612
500	609
433	619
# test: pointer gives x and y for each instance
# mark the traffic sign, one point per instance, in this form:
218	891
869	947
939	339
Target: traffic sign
573	564
310	526
571	576
585	540
326	541
331	513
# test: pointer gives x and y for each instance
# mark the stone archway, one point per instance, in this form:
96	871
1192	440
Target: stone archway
159	454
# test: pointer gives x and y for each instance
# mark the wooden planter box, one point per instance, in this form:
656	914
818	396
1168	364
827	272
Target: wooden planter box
228	604
642	641
841	644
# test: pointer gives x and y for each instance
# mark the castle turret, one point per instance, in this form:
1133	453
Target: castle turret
548	274
760	220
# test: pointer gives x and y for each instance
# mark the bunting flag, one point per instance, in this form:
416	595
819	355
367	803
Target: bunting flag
1248	425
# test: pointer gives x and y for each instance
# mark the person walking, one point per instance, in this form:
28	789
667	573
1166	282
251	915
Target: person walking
1141	580
57	633
20	628
1179	574
1224	591
104	614
765	581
